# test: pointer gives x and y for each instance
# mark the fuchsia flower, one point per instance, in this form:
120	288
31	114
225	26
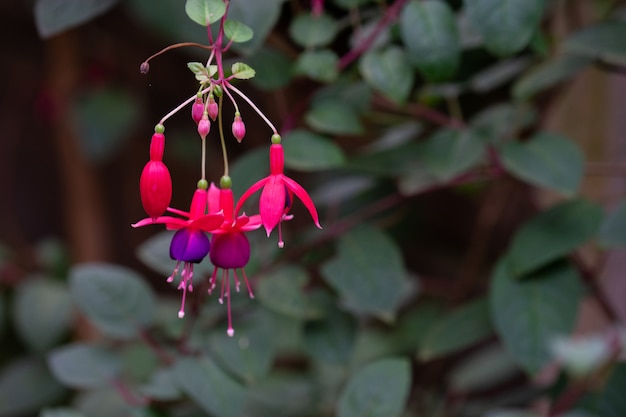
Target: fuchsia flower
155	183
239	128
190	244
197	109
230	245
277	195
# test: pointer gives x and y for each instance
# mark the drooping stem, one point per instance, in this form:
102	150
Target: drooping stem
254	107
203	174
221	129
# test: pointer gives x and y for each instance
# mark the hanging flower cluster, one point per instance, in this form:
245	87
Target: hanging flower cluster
215	226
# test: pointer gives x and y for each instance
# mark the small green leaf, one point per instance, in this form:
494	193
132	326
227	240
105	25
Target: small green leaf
242	71
42	311
210	388
613	229
205	12
368	272
506	26
553	234
55	16
430	34
311	31
335	117
319	65
603	41
548	74
529	313
83	366
332	338
282	292
380	389
117	300
457	330
237	31
26	386
546	160
499	123
449	153
498	75
389	72
307	151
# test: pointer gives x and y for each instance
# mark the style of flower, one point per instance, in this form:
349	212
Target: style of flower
277	195
190	244
230	246
155	183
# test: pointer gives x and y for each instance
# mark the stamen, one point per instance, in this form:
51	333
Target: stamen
221	299
212	281
281	243
245	277
230	330
174	273
237	284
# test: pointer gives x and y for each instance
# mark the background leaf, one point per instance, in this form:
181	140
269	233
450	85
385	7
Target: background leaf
604	41
310	31
528	313
389	72
448	153
332	338
319	65
55	16
506	26
548	74
307	151
335	117
613	229
429	32
553	234
368	272
116	299
82	366
380	389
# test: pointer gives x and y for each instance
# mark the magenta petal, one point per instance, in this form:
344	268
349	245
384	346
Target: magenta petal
189	245
272	203
253	189
230	250
304	197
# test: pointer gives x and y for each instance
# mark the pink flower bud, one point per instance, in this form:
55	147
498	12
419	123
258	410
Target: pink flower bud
157	146
212	108
197	109
204	126
239	129
155	188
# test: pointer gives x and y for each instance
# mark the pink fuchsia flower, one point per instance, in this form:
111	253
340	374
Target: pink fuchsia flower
190	244
204	126
212	107
277	195
197	108
230	245
155	183
239	128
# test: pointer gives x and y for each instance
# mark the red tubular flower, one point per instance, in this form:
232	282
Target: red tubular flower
155	183
277	195
230	246
190	244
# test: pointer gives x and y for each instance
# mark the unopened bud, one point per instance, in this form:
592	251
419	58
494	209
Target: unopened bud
155	187
197	109
239	128
212	108
144	68
204	126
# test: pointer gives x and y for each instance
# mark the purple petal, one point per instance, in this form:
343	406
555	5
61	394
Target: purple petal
189	245
230	250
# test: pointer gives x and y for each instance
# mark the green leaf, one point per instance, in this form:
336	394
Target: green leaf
331	339
237	31
603	41
26	386
499	123
457	330
205	12
335	117
389	72
282	395
103	119
42	311
351	4
104	402
55	16
487	368
319	65
546	160
168	20
273	68
608	401
506	26
448	153
498	75
242	71
82	366
250	352
415	323
247	169
548	74
161	386
210	388
307	151
553	234
260	16
311	31
60	412
368	272
282	292
380	389
117	300
528	313
613	229
430	34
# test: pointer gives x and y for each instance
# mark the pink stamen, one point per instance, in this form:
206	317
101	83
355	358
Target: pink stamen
230	330
281	243
224	277
245	278
212	281
237	284
174	273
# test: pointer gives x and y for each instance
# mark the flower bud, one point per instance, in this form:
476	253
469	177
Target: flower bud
155	188
157	146
204	126
212	108
239	129
197	109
